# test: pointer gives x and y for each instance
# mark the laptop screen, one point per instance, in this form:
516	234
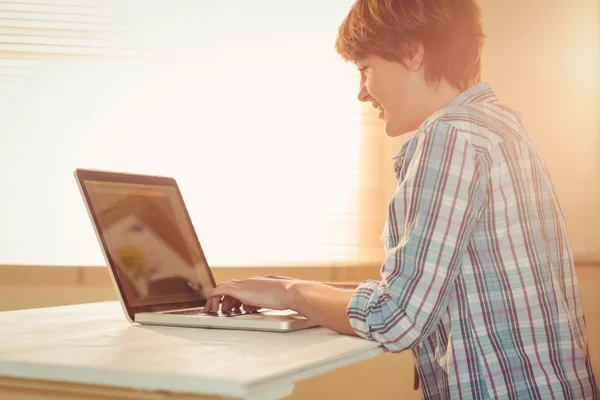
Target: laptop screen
151	243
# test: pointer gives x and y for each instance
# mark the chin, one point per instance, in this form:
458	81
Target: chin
393	130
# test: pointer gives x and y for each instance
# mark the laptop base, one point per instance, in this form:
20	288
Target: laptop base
267	321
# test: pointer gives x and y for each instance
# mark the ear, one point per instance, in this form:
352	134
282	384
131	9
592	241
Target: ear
415	58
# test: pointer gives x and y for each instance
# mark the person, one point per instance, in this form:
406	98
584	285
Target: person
478	280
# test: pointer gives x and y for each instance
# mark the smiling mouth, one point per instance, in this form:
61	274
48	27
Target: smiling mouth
380	109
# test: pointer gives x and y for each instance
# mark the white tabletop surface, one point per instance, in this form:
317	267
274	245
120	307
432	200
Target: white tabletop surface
94	344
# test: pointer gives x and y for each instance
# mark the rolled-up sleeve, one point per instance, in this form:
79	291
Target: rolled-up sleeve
431	219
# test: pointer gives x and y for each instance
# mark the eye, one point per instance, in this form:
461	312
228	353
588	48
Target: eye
363	72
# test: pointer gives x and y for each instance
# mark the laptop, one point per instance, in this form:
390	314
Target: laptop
154	256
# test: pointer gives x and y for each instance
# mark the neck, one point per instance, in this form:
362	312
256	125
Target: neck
434	99
441	96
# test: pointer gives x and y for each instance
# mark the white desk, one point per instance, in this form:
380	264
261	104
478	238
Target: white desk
90	349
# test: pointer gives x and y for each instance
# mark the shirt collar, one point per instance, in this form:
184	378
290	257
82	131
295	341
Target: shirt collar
480	93
400	154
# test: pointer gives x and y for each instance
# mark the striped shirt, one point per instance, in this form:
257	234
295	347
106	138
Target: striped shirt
479	280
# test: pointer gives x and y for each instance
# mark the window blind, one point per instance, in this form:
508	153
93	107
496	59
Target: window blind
246	104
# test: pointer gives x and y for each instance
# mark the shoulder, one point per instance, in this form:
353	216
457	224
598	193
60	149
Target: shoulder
483	125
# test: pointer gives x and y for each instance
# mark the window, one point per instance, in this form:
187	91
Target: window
245	103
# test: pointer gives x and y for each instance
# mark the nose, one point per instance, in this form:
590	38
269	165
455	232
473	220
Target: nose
363	93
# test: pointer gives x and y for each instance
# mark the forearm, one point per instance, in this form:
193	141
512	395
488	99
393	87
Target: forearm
322	304
342	285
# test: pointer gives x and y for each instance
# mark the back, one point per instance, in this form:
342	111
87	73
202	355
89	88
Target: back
522	291
507	322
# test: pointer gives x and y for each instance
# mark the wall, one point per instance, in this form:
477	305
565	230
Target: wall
542	57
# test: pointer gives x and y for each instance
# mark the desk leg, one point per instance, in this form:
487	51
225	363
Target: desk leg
31	389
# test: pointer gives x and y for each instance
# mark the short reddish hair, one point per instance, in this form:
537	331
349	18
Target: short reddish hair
450	30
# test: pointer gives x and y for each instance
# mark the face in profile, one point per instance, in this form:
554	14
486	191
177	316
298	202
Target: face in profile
398	91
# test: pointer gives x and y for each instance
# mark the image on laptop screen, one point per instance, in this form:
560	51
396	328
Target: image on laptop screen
150	242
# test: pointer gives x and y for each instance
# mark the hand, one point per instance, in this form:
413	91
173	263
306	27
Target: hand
253	294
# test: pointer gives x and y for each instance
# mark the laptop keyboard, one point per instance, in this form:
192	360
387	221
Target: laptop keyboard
199	311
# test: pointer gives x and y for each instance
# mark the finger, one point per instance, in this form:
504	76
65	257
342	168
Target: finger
228	303
236	304
222	292
249	308
212	304
216	304
225	303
